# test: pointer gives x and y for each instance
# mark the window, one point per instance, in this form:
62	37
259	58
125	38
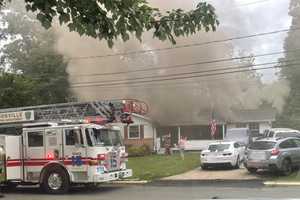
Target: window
254	128
134	132
297	142
35	139
73	137
218	147
88	138
287	144
241	125
262	145
287	134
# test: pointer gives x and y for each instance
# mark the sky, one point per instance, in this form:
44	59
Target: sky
255	16
188	98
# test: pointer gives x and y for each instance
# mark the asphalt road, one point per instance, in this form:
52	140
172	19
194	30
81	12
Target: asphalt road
193	191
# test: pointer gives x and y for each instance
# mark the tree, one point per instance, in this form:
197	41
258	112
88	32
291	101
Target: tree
290	117
31	67
15	90
111	19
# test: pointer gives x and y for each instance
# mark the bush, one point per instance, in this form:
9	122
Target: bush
139	150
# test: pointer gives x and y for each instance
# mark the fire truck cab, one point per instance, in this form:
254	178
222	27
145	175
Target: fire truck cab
57	155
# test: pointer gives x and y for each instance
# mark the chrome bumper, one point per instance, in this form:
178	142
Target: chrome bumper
112	176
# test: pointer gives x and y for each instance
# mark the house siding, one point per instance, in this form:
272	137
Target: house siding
147	132
262	126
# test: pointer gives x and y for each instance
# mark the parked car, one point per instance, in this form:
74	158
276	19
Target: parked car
275	154
281	133
223	154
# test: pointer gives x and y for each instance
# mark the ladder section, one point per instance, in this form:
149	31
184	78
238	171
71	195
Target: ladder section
108	110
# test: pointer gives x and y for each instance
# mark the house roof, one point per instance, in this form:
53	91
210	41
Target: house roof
254	115
236	116
142	117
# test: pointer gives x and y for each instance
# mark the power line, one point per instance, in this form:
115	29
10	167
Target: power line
186	45
186	77
252	3
180	84
189	64
187	73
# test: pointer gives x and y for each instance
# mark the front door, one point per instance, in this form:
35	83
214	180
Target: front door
53	143
74	150
34	154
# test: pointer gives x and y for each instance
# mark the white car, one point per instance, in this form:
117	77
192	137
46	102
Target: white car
223	154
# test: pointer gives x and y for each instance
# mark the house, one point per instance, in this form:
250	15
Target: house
257	120
141	131
146	131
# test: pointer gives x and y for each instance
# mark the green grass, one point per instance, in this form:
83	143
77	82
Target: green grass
157	166
294	177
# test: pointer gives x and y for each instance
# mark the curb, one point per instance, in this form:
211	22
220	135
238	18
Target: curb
281	183
128	182
187	182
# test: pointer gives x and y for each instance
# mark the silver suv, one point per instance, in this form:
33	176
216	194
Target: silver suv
275	154
281	132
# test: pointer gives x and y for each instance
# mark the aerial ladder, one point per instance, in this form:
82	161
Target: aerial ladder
102	111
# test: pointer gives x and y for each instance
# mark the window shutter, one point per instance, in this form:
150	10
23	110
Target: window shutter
141	131
125	132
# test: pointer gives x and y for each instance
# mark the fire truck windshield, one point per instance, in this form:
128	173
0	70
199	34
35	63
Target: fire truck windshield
103	137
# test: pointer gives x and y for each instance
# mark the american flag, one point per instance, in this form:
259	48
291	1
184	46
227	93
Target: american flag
213	126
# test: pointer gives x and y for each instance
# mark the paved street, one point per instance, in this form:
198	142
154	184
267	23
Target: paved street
173	192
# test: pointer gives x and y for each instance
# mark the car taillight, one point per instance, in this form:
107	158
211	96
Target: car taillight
101	157
275	152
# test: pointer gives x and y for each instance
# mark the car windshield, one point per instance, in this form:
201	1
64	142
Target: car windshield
103	137
262	145
218	147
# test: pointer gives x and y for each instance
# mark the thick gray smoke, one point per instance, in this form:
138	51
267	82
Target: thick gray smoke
186	100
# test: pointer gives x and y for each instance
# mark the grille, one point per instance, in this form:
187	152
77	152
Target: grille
114	161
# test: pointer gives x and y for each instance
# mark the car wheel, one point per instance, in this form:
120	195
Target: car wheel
56	181
238	163
286	167
252	170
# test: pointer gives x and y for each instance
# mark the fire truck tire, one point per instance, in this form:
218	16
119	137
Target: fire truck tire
56	181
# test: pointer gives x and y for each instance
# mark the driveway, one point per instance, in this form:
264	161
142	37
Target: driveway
217	174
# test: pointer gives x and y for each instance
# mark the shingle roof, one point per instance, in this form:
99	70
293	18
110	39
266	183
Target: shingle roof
255	115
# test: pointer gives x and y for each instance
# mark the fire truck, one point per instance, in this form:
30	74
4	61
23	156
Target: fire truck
59	145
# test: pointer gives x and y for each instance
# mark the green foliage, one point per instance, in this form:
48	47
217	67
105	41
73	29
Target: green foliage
111	19
15	90
157	166
143	150
32	61
290	116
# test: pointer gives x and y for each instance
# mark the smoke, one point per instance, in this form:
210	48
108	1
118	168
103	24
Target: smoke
178	101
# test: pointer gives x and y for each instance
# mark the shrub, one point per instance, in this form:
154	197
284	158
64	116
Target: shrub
139	150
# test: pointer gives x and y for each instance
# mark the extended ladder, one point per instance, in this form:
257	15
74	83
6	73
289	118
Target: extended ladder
107	110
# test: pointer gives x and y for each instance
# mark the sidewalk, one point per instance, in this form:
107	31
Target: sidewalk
228	174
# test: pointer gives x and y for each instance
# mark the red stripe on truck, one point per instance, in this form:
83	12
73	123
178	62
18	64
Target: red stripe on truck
41	162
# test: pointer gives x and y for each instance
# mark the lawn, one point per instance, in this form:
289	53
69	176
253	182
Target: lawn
294	177
157	166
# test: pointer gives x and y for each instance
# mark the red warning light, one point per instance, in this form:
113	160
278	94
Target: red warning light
50	156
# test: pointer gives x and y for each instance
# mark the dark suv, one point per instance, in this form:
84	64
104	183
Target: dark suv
275	154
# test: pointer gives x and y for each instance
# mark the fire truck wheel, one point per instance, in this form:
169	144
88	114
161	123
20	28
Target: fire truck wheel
56	181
